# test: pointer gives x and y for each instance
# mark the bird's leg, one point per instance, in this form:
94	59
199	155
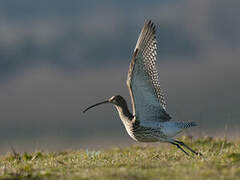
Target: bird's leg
183	144
179	147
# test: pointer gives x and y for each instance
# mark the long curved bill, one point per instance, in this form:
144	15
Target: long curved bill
104	102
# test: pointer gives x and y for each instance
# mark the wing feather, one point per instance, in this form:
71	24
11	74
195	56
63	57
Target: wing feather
146	95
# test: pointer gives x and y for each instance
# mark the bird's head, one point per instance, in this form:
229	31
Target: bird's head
116	100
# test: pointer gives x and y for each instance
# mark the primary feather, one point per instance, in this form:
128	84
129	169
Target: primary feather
147	98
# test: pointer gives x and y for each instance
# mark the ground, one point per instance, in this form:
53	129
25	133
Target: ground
221	160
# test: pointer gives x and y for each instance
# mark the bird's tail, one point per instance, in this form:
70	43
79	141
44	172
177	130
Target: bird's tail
189	124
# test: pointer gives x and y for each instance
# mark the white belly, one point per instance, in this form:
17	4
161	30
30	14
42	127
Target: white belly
169	128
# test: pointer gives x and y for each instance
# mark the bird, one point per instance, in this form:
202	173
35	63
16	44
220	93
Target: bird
149	120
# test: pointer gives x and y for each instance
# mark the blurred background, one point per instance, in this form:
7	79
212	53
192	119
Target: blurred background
57	57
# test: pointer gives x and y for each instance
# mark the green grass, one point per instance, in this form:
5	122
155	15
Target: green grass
221	161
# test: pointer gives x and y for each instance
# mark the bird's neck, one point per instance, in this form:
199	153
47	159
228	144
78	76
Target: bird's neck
124	113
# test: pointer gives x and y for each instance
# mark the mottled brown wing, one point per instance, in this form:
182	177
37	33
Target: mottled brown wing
144	88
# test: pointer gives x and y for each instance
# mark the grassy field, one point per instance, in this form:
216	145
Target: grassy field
221	160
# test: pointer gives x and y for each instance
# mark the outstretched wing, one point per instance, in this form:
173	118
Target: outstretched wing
147	98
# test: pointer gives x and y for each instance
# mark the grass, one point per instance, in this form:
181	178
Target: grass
221	161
